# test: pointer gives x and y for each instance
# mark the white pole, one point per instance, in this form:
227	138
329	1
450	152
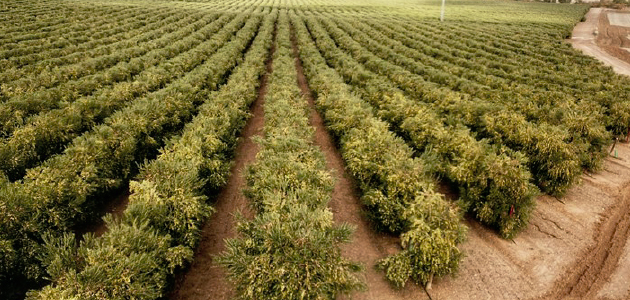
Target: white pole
442	13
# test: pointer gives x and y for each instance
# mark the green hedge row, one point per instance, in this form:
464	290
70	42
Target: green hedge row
290	250
59	65
553	161
77	30
489	48
63	191
579	95
37	92
49	132
494	183
396	190
584	120
579	76
157	233
16	110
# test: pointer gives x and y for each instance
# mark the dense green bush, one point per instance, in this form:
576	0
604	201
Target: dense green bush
290	250
63	192
128	63
159	229
394	184
48	133
502	199
492	101
489	82
54	66
290	254
434	227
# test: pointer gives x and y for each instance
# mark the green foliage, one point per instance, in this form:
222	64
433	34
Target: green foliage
30	101
449	151
620	117
19	267
459	109
554	163
430	244
393	183
126	263
169	209
290	250
290	254
50	131
389	177
88	92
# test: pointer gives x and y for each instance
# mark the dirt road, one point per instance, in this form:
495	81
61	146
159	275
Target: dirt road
584	38
574	247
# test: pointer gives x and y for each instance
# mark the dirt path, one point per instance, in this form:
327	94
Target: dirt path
205	279
572	249
615	39
366	246
583	38
598	261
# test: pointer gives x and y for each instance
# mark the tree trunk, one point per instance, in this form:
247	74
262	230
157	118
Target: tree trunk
430	281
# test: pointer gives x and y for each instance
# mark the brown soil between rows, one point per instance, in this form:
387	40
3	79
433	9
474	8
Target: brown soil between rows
205	279
114	205
367	246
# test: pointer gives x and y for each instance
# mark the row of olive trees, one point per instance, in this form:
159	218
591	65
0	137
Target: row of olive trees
395	188
290	250
158	231
64	190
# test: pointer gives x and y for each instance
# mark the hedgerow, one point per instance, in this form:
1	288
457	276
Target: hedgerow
63	191
493	182
290	250
49	132
394	185
161	226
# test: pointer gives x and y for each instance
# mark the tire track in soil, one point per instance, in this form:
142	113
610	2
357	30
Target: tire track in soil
366	245
205	279
596	264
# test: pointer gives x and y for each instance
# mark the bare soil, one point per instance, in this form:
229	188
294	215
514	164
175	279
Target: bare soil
205	279
115	205
367	246
618	18
614	39
596	38
570	250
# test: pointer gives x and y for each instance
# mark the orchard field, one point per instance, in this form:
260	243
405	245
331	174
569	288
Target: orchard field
151	115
